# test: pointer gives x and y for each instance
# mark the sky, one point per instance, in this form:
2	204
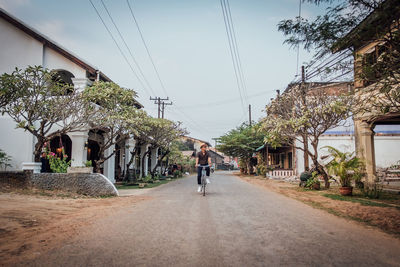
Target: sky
189	46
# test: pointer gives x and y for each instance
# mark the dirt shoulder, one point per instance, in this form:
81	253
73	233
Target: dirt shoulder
384	214
32	223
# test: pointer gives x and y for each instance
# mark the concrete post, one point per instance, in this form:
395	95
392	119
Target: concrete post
143	150
78	153
366	149
131	143
109	164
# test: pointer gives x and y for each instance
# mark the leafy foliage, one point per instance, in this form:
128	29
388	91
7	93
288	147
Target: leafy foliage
39	103
379	70
297	117
241	142
343	165
4	159
115	116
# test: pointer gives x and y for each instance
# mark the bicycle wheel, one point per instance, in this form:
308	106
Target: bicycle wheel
203	185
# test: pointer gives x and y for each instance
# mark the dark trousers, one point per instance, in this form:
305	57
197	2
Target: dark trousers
199	169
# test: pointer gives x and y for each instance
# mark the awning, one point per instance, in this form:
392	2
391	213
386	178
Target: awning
261	147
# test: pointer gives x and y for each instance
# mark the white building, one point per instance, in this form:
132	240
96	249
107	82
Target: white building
22	46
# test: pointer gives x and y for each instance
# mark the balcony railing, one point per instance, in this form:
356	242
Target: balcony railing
278	174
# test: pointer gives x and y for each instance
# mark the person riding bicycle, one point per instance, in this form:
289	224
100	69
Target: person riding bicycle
203	158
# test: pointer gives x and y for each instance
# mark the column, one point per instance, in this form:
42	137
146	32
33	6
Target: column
109	164
78	153
366	149
154	157
81	83
130	146
143	150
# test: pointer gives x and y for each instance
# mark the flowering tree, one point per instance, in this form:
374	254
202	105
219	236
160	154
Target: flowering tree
159	133
117	115
41	104
290	121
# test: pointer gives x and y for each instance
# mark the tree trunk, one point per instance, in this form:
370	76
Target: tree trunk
128	165
318	167
159	160
306	161
38	149
248	164
97	165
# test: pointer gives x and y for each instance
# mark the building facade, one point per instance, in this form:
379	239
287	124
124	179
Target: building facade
22	46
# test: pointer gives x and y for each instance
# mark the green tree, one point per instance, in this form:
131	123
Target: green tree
41	104
241	142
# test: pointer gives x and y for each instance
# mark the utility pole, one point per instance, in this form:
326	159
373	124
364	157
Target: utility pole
250	114
305	136
157	101
163	104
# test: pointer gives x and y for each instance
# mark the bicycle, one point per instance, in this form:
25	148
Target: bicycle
203	179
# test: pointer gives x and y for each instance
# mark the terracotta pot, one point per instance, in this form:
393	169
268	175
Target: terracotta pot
316	186
346	191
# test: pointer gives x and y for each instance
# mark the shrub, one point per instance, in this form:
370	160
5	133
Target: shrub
4	159
58	165
178	174
261	170
373	192
88	163
313	182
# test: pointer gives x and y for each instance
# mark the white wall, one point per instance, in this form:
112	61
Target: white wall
53	60
387	149
15	142
17	49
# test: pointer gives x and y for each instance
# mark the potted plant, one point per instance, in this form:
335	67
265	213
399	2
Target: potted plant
343	165
313	182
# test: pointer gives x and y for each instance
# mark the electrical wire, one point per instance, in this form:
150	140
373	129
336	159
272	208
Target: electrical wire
147	49
239	61
127	47
119	48
227	29
327	65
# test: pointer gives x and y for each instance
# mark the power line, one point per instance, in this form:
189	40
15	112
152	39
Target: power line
116	43
227	29
127	47
146	47
237	51
324	65
225	101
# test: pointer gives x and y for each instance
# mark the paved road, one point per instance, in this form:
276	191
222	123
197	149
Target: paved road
237	224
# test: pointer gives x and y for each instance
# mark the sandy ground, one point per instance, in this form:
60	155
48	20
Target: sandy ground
385	218
30	224
235	224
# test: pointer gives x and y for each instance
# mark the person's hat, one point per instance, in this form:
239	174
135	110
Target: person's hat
203	144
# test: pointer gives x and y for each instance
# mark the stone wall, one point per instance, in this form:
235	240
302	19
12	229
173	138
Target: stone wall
13	179
91	184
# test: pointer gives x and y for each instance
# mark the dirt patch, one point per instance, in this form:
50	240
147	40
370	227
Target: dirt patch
34	222
382	214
